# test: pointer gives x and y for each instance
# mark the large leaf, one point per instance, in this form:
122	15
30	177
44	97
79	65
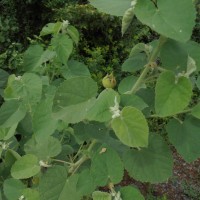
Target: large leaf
74	91
13	188
55	185
11	112
27	88
7	133
63	46
43	122
100	111
174	55
112	7
43	148
75	68
74	113
185	137
106	166
131	127
172	94
173	19
25	167
153	164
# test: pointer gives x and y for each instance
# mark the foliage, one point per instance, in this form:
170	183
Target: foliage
62	138
107	50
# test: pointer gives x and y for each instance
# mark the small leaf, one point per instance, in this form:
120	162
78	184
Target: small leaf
73	33
98	195
129	192
131	127
134	63
126	84
63	46
51	28
127	18
25	167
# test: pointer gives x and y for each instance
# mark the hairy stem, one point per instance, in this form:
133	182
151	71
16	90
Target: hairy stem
147	68
78	163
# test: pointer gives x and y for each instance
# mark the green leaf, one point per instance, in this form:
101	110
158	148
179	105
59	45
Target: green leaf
11	112
193	49
51	28
100	111
133	100
173	19
3	78
153	164
129	192
32	58
196	111
25	167
55	185
174	56
127	19
10	157
27	88
31	194
63	46
43	122
106	166
13	188
74	113
185	137
98	195
43	148
172	94
75	68
73	33
112	7
134	63
74	91
126	84
7	133
85	184
131	127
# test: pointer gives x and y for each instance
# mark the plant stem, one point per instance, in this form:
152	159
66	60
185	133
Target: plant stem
61	161
77	164
152	59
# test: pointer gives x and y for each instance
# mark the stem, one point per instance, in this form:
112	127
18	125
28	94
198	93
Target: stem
61	161
153	57
77	164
